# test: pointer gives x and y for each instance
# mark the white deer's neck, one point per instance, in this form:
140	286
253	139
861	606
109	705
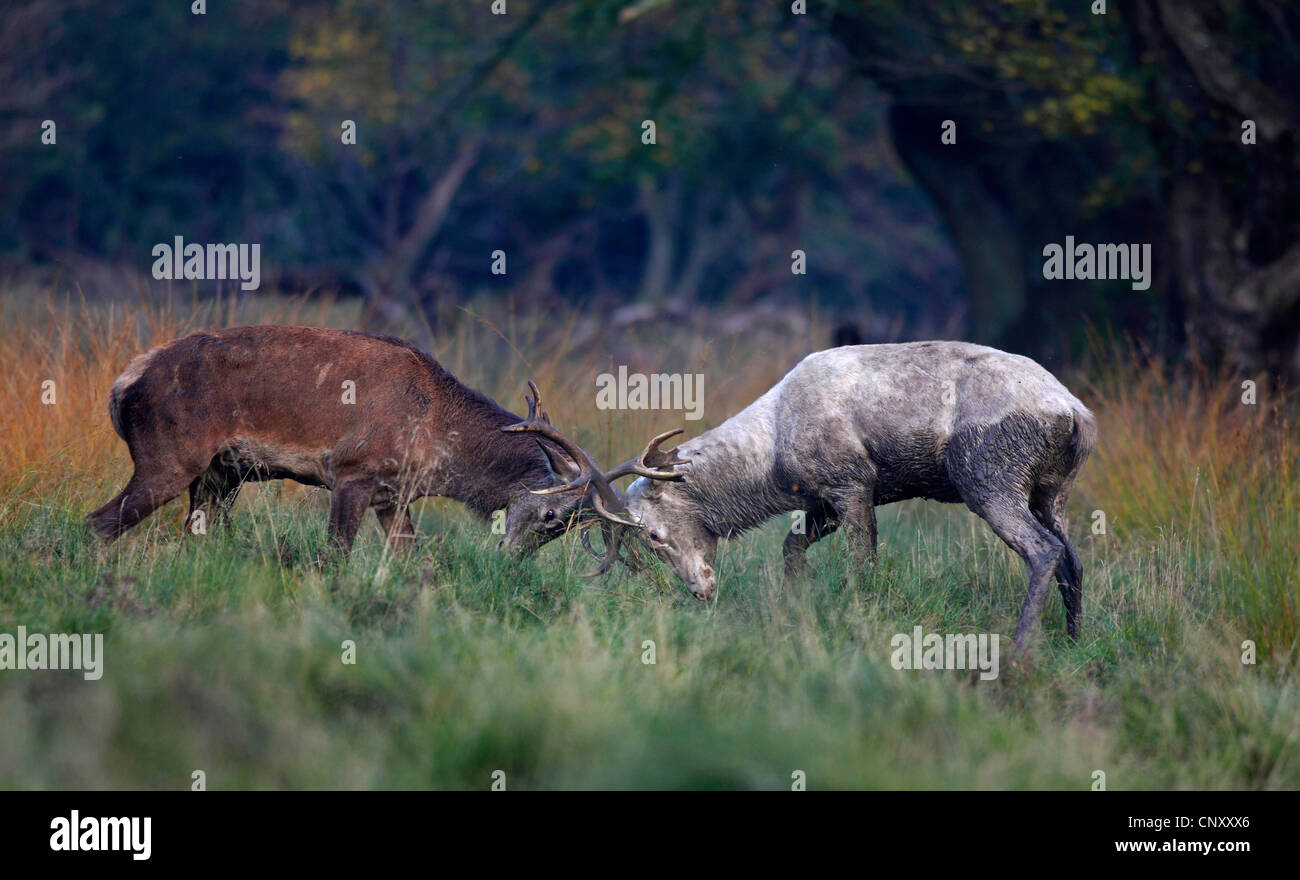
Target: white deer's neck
730	479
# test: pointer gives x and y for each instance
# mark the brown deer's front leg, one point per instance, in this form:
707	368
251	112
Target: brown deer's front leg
348	503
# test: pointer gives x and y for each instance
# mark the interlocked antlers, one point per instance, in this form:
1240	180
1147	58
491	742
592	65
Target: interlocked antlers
652	462
608	502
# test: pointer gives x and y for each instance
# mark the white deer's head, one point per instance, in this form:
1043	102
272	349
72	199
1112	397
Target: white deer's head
668	526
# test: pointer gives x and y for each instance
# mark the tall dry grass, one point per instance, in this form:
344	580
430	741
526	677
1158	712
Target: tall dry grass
1185	456
67	452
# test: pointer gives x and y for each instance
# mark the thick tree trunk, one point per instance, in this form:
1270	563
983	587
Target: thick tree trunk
659	208
1233	207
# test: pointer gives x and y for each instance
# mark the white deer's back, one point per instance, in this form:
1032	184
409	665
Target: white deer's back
836	400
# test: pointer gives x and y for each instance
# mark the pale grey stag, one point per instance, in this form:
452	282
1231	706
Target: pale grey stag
855	427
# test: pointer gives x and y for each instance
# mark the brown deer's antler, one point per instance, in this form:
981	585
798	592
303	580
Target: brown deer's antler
652	463
613	535
606	498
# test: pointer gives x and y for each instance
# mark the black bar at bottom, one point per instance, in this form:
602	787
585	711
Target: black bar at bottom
336	830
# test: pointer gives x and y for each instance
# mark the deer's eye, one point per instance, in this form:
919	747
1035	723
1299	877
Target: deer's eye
654	536
549	515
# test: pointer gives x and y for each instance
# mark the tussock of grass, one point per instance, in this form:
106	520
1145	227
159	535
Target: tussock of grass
223	652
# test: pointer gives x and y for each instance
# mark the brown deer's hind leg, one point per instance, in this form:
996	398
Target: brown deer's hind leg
395	520
141	497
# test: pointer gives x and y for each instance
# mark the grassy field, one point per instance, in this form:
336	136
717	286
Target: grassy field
223	653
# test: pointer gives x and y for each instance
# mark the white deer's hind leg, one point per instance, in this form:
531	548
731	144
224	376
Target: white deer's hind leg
1041	550
1050	511
855	510
997	469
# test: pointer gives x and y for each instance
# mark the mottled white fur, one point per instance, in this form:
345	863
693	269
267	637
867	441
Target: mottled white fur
853	427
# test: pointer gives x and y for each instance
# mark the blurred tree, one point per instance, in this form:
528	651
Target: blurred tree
162	126
1232	228
764	144
474	132
33	74
426	85
1119	127
525	130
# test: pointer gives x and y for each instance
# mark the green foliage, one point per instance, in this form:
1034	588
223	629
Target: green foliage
228	127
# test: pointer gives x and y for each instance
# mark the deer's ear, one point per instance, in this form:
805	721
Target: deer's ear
562	467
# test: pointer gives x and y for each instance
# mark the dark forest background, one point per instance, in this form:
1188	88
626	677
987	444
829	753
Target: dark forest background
775	132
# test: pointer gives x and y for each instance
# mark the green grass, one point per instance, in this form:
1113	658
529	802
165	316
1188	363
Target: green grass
223	653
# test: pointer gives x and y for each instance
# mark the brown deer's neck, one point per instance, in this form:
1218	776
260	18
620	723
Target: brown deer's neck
492	470
475	462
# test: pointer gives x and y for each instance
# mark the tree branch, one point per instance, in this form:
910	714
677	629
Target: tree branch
1218	75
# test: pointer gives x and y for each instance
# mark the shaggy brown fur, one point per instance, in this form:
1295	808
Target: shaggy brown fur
214	409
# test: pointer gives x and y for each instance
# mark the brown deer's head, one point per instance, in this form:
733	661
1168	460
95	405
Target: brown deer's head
584	494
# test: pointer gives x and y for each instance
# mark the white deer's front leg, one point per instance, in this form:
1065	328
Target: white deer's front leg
818	523
855	508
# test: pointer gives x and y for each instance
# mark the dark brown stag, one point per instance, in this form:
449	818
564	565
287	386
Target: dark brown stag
371	418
